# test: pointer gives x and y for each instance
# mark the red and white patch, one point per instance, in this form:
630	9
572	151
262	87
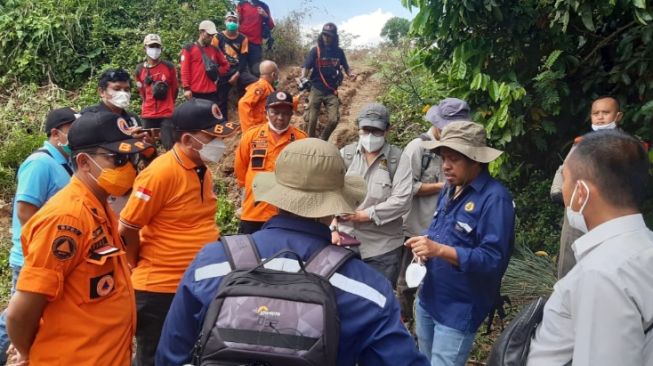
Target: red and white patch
143	193
216	111
281	96
123	126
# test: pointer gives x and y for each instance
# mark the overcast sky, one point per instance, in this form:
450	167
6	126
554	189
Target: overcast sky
364	18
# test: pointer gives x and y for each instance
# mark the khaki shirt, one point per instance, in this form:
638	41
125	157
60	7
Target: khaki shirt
418	219
387	200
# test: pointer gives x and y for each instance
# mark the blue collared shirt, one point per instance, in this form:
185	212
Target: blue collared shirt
480	225
40	176
371	332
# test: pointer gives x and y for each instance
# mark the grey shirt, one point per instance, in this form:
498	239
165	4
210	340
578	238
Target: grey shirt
387	200
598	312
418	219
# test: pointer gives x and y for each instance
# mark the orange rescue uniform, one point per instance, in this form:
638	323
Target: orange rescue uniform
173	205
257	152
251	107
74	256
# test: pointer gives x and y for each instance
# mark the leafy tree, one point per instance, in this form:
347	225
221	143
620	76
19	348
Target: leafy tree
530	68
68	41
395	29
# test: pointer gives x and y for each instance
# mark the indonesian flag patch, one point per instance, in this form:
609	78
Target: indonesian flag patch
143	194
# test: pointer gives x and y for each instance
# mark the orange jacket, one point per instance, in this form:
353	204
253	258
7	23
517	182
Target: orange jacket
258	151
174	209
76	259
251	107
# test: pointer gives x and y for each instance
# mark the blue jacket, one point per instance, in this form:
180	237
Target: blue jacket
371	332
480	225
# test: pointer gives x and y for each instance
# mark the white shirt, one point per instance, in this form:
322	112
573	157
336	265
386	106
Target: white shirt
598	312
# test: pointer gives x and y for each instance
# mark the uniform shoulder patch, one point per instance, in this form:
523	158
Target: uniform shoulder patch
69	228
258	91
64	247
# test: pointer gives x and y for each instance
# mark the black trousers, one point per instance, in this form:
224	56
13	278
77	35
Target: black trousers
249	227
223	98
166	130
254	58
208	96
151	311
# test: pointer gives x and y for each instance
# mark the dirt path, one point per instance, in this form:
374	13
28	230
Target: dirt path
354	94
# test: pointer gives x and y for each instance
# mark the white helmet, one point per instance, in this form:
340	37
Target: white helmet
231	14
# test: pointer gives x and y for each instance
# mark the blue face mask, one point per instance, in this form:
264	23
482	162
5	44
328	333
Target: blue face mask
231	26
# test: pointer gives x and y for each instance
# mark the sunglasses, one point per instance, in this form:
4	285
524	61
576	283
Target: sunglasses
121	159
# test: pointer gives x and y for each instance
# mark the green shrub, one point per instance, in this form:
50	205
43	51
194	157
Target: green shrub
289	48
225	216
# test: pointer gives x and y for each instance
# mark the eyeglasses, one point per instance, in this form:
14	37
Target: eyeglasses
373	131
120	159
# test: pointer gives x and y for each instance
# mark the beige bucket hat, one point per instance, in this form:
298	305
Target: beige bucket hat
468	138
309	181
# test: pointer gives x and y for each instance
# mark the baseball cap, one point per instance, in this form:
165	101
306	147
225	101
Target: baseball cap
202	115
310	180
106	130
448	110
152	39
58	117
374	115
330	29
231	14
467	138
208	26
279	98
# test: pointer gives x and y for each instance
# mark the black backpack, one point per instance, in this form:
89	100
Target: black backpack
159	88
210	67
511	349
265	317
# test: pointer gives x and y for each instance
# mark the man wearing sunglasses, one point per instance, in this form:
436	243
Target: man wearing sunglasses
377	222
74	301
169	215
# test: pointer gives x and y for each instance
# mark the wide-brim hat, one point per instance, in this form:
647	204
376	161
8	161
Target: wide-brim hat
309	181
467	138
447	111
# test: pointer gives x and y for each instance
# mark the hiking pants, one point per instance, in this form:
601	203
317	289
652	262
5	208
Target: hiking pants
332	104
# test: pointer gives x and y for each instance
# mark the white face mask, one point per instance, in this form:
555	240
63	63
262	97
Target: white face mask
415	273
212	151
576	218
372	143
279	132
608	126
153	52
119	98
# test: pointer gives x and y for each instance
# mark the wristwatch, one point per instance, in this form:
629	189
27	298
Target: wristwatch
333	228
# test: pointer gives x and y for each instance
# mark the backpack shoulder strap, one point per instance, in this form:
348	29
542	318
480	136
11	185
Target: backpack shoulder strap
394	155
169	65
139	69
349	151
241	251
327	261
